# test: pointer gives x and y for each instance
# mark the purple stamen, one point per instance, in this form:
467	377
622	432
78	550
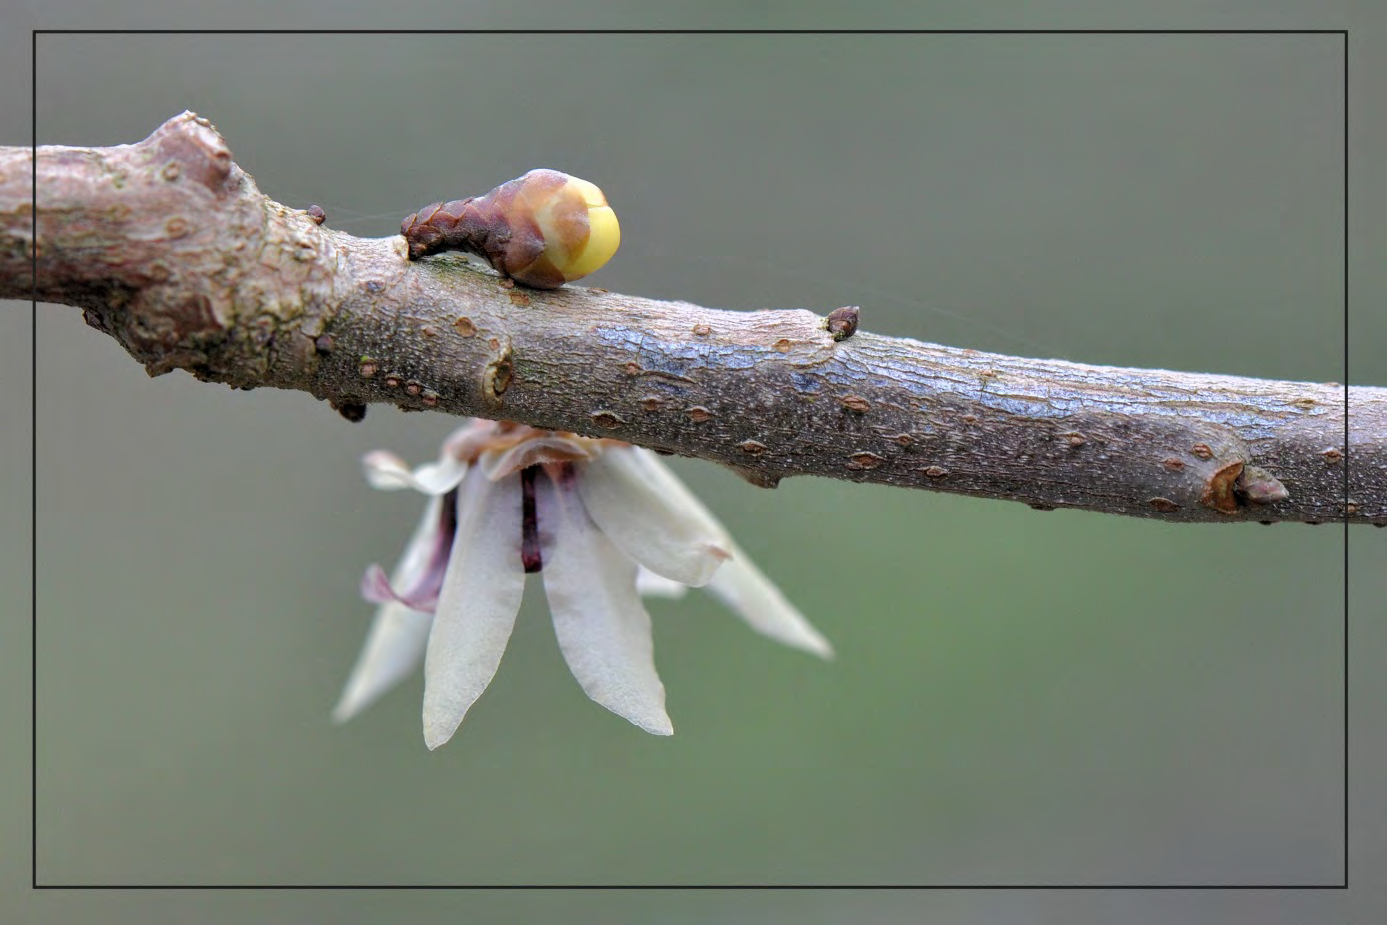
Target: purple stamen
529	522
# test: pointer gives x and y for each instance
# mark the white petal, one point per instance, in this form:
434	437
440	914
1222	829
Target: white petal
388	472
752	596
477	605
738	583
649	514
384	470
395	645
392	652
603	629
648	584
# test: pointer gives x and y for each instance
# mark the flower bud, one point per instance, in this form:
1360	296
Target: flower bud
543	229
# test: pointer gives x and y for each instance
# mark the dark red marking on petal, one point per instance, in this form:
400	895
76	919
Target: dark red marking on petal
428	586
529	524
423	593
448	518
565	475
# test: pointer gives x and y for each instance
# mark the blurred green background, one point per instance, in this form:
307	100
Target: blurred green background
1018	698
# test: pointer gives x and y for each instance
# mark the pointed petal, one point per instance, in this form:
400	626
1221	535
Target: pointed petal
395	645
419	551
648	513
742	587
388	472
648	584
603	628
392	652
477	605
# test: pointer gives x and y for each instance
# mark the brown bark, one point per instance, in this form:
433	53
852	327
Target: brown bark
170	248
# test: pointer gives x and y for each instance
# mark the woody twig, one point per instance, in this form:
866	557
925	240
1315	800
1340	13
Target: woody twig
168	246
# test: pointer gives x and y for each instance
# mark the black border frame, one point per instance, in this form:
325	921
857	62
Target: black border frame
33	470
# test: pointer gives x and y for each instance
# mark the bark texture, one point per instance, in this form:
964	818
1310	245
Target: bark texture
170	248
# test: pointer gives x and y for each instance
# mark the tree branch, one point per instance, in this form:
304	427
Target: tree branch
172	250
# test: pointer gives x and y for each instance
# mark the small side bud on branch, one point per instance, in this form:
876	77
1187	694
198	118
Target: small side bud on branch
842	322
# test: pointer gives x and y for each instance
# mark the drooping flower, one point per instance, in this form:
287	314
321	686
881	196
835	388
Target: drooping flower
602	521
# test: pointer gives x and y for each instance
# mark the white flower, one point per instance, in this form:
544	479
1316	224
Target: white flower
603	522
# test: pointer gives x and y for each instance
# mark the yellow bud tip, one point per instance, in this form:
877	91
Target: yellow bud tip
578	230
591	193
604	237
